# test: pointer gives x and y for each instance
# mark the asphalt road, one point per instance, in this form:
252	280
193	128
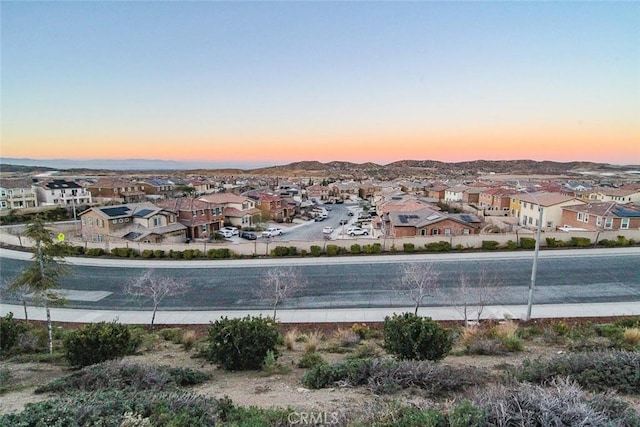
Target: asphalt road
577	276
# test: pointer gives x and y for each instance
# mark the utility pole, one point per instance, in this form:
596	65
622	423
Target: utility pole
534	269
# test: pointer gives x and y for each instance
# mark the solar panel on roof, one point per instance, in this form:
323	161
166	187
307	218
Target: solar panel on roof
466	218
622	211
142	213
403	219
117	211
432	217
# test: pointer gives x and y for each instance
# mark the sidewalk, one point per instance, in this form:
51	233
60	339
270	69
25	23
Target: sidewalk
322	315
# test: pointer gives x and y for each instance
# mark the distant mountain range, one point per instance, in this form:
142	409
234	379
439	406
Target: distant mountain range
336	168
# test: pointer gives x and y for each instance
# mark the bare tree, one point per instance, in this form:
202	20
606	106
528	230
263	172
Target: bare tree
471	296
156	288
279	284
418	281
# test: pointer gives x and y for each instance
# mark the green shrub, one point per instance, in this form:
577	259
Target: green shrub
158	253
94	252
375	248
408	247
412	337
123	252
490	245
356	249
191	253
175	254
352	372
607	243
511	245
280	251
303	253
552	242
315	250
293	251
332	250
309	360
580	242
593	370
220	253
440	246
147	253
171	334
8	332
465	414
242	344
97	342
527	243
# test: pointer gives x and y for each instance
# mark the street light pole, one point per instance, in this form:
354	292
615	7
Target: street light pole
534	268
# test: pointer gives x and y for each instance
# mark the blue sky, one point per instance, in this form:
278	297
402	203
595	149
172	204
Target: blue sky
275	82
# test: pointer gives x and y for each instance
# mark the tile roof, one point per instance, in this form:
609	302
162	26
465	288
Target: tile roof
224	198
629	210
544	198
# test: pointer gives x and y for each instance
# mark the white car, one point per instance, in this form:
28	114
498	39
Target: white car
357	231
272	231
227	234
233	230
327	230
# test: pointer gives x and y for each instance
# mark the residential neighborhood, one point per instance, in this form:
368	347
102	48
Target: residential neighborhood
184	208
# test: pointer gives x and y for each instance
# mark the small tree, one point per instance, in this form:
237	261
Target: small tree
472	296
97	342
417	282
43	274
156	288
416	338
278	285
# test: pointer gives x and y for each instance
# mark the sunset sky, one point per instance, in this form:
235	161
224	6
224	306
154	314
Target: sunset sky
275	82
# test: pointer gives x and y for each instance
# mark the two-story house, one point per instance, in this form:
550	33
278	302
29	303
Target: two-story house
136	222
272	205
618	195
62	192
602	216
495	201
239	211
120	190
157	188
201	218
17	194
550	204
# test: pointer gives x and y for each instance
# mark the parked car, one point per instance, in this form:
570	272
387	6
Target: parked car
227	234
272	231
350	213
344	221
327	230
328	208
339	201
357	231
319	218
249	235
233	230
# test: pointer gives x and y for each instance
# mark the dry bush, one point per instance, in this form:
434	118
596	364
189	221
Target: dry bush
469	334
564	403
507	329
290	338
313	341
346	337
631	336
189	339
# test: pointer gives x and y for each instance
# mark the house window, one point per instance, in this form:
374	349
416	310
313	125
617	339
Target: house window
121	220
530	220
115	221
608	223
100	222
524	219
435	231
100	238
157	221
84	222
465	231
586	217
90	222
599	221
549	224
447	232
126	220
580	216
203	227
3	193
624	223
423	232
